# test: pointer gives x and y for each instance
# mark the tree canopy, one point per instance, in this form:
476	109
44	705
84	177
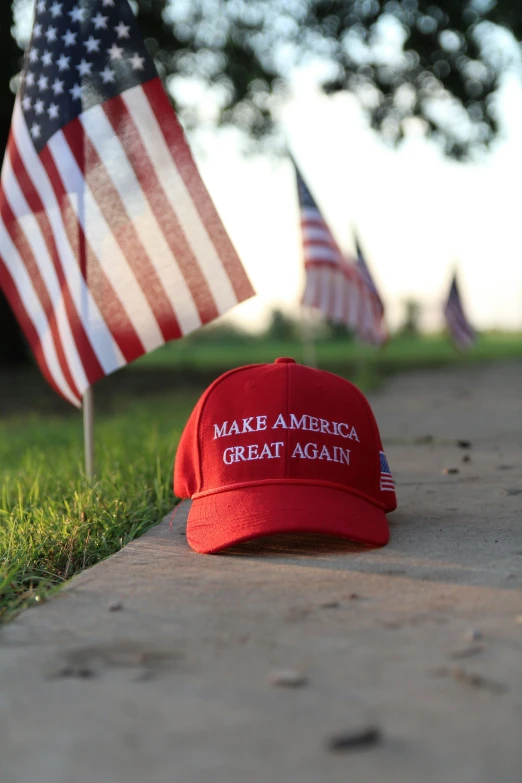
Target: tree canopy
439	62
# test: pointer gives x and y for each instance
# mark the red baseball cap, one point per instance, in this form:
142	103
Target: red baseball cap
279	448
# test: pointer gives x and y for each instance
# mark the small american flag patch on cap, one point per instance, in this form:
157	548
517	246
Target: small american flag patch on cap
387	483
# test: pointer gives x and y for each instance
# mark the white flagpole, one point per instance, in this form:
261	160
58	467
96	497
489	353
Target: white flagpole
88	432
309	349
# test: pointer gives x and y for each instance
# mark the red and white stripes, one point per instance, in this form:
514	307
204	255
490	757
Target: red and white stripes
334	284
109	242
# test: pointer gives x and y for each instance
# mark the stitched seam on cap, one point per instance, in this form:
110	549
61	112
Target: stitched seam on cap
287	437
374	425
207	394
373	422
294	482
376	434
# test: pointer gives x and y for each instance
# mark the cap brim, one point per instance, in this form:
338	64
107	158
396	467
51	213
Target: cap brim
226	518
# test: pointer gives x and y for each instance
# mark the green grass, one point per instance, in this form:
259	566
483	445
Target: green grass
194	353
53	523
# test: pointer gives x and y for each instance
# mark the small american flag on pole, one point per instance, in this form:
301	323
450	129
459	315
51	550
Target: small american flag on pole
372	315
460	329
334	284
109	242
367	277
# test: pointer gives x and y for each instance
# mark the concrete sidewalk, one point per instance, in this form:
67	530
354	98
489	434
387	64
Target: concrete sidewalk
157	664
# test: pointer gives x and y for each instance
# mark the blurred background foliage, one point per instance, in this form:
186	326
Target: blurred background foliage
439	62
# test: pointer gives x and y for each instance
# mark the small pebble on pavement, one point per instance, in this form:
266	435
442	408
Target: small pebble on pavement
288	678
355	740
475	680
467	652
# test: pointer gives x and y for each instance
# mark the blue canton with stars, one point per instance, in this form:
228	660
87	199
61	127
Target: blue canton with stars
305	197
385	468
81	53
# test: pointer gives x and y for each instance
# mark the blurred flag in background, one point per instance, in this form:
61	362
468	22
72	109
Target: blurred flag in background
335	284
460	329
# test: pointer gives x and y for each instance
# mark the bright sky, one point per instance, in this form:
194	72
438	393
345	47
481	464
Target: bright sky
418	214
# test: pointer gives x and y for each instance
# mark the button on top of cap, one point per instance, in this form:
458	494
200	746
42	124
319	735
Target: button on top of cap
285	360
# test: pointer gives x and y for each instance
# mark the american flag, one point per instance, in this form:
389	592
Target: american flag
387	483
460	329
373	314
334	284
368	279
109	242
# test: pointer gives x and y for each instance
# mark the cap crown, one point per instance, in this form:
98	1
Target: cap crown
279	423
